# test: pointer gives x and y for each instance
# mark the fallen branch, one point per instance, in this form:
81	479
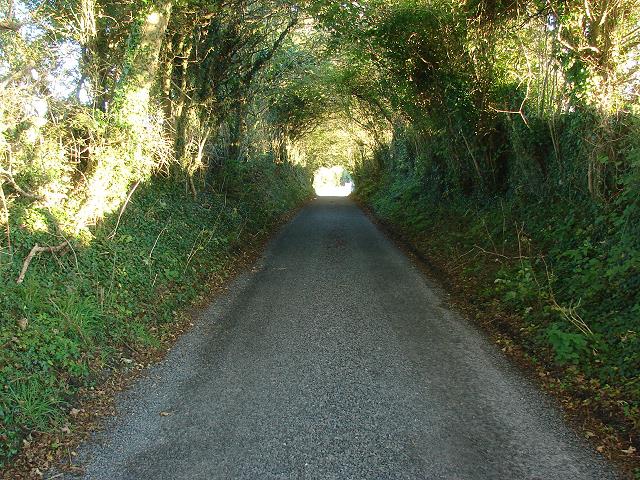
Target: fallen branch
35	251
459	262
9	178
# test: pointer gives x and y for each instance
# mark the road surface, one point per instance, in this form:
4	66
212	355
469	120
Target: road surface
336	359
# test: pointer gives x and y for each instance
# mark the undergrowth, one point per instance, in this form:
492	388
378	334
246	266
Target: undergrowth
565	273
81	314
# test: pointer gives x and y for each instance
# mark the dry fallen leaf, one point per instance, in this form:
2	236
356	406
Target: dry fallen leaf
589	434
65	429
600	448
165	414
23	323
629	451
73	412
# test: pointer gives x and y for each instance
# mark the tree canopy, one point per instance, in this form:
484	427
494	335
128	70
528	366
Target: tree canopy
520	119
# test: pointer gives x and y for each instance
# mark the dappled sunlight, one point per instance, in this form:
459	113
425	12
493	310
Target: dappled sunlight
333	181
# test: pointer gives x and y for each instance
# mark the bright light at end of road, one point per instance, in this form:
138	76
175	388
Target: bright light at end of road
332	182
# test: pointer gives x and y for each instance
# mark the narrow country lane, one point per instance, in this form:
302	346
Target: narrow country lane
336	359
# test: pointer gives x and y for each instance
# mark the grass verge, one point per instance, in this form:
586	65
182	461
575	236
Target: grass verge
113	302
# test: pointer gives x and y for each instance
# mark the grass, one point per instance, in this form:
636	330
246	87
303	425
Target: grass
78	315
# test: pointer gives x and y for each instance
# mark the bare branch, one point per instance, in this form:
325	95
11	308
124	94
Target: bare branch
9	178
123	208
35	251
6	216
274	48
10	25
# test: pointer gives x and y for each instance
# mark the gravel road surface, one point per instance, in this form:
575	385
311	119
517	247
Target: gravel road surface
336	359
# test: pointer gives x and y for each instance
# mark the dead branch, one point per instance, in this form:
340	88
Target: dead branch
6	216
9	178
496	254
35	251
123	208
10	25
193	251
569	313
158	237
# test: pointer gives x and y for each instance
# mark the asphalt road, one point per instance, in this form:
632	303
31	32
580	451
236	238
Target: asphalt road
336	359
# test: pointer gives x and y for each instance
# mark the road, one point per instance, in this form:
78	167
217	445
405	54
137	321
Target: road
336	359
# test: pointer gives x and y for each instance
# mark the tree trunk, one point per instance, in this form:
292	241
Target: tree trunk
131	107
168	62
181	109
134	89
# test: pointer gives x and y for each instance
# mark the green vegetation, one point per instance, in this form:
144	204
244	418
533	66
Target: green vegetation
511	154
142	144
86	312
140	153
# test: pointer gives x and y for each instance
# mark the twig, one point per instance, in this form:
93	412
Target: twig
75	255
569	313
493	244
473	157
459	262
10	25
36	250
8	176
6	217
158	238
122	209
518	232
194	250
130	347
519	257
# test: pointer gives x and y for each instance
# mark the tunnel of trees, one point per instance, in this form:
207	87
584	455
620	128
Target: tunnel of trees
145	144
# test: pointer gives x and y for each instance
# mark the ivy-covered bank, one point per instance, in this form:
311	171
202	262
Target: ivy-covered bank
556	273
83	311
